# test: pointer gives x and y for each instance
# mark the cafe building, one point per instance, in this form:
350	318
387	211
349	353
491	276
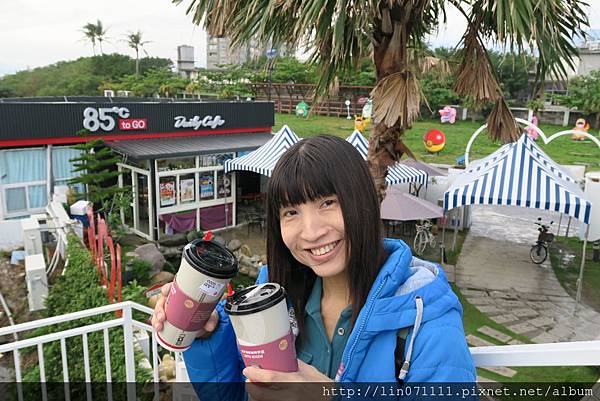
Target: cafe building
172	156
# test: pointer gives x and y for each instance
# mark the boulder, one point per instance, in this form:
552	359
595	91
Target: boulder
263	259
151	254
132	255
171	252
234	245
245	250
162	277
173	240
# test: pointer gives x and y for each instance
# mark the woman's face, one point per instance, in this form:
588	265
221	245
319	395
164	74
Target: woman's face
314	234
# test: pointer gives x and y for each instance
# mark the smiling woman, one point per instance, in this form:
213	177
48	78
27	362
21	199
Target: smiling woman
361	307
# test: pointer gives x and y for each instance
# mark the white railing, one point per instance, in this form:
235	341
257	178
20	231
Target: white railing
126	322
583	353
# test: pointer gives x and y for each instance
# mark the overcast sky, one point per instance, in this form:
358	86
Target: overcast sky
35	33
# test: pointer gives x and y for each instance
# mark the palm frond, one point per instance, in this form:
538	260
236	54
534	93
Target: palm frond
502	125
396	98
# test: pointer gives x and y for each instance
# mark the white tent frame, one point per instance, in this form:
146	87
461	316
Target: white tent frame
546	141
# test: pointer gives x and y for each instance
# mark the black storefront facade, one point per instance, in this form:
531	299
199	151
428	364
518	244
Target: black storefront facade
172	155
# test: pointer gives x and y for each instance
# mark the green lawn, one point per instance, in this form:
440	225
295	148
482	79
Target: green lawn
567	269
562	150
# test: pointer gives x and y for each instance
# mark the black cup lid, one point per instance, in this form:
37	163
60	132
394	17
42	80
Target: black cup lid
254	299
211	258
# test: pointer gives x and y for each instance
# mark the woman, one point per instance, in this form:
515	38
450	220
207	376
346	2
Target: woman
366	310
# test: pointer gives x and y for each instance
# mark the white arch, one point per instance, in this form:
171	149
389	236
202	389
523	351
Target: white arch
539	131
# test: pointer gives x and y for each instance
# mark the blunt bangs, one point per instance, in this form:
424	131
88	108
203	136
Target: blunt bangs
306	179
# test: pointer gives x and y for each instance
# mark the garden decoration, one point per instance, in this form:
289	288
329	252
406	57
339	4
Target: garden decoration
302	109
530	130
582	126
367	111
359	123
447	115
434	140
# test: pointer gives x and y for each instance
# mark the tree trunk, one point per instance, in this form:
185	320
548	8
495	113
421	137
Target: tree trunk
137	63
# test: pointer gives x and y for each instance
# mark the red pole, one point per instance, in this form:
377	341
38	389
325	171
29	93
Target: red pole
113	269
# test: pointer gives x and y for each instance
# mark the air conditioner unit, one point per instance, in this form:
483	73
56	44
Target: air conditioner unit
124	93
32	236
109	93
37	282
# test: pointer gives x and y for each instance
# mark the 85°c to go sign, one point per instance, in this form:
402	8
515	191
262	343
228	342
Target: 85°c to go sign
104	118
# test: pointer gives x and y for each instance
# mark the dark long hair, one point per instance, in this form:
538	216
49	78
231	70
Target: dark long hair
311	169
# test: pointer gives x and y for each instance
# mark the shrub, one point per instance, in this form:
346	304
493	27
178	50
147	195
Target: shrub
76	290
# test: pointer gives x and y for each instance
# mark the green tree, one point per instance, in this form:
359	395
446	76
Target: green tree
584	93
343	32
134	40
100	34
97	166
89	33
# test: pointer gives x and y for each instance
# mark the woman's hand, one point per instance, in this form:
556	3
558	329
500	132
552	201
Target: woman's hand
159	316
269	385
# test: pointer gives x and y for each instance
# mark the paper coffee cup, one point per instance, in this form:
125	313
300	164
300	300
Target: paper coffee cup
260	319
205	270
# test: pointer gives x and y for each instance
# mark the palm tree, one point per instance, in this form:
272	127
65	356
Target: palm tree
134	40
100	33
341	32
89	33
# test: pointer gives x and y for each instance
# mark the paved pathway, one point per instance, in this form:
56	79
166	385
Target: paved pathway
495	274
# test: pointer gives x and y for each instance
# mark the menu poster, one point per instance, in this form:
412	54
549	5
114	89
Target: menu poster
186	190
207	188
167	193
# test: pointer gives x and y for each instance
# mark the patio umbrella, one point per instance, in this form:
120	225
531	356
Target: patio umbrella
421	165
403	206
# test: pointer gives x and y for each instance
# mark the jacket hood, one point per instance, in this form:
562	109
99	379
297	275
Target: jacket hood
394	292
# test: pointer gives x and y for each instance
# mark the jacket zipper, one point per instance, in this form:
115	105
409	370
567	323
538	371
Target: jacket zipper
361	328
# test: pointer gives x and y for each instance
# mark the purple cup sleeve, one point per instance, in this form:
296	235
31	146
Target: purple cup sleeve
279	355
185	313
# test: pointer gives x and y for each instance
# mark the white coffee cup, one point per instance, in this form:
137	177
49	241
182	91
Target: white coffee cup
205	270
260	319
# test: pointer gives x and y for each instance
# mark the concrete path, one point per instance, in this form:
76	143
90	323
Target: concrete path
495	274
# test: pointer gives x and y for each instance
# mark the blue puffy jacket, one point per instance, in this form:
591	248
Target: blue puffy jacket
408	293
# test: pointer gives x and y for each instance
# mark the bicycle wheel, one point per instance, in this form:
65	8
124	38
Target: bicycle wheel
420	242
538	253
432	241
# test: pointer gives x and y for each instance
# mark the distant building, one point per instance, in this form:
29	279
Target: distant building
589	57
185	61
220	52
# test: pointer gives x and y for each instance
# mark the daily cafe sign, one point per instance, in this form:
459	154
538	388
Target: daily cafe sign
198	122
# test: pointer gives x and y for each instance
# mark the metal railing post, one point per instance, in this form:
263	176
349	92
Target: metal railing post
129	355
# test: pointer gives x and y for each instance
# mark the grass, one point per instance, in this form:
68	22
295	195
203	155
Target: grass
566	269
473	319
562	150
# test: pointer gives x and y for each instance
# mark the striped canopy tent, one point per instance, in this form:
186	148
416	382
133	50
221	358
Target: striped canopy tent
263	159
520	174
398	173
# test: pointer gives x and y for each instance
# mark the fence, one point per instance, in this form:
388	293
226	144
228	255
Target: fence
586	353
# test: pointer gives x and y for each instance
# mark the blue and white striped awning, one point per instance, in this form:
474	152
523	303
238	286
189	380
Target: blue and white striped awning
263	159
398	173
519	174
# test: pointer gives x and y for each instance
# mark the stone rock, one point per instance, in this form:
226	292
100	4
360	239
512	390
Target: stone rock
171	252
478	342
488	331
545	338
234	245
263	259
514	341
162	277
173	240
244	269
132	255
253	273
526	312
481	301
151	254
490	309
501	319
522	328
246	251
541	321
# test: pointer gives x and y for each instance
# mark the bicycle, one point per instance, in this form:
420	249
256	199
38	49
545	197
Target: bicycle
539	250
424	237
